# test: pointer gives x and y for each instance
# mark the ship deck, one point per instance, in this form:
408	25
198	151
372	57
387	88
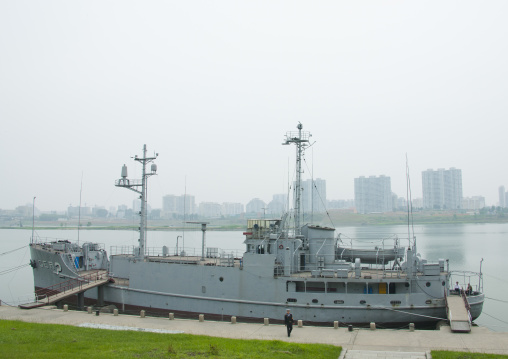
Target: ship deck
367	273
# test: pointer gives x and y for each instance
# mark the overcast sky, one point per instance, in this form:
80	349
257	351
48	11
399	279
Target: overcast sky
213	87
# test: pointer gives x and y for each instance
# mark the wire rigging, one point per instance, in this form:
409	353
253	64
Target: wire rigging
497	300
11	251
14	269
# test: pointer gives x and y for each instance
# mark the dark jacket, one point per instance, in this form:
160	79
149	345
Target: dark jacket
288	319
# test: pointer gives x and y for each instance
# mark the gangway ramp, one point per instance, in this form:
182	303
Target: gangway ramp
458	313
67	289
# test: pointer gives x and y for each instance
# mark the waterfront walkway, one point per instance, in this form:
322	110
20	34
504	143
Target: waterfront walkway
368	341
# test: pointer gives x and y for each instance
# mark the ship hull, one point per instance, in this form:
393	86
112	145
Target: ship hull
250	294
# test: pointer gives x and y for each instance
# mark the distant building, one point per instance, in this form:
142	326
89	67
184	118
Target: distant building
417	203
398	203
502	197
442	189
209	210
473	203
178	205
341	203
75	212
277	205
313	195
232	209
136	205
256	206
373	194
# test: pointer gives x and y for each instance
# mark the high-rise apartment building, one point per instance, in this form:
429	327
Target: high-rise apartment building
473	203
502	196
313	195
209	210
256	206
232	209
442	189
178	205
373	194
277	205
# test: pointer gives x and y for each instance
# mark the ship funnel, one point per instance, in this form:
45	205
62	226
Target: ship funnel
154	168
124	171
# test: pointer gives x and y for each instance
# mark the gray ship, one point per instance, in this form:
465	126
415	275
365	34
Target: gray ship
286	264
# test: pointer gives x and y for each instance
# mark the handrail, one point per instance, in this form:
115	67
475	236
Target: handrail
466	303
70	284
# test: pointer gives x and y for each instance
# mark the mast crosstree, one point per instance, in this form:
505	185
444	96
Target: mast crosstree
134	185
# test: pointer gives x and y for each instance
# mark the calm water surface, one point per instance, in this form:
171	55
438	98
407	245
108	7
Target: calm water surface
463	244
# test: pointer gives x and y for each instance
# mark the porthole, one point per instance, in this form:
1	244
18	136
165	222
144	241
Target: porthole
427	284
314	301
338	301
291	300
362	302
406	284
428	301
221	279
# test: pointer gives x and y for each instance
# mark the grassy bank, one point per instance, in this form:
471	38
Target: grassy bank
460	355
30	340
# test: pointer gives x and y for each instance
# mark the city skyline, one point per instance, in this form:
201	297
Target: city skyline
214	88
365	188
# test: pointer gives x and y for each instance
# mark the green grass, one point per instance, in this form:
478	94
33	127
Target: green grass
459	355
30	340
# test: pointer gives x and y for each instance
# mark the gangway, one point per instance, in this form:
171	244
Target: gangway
457	309
68	288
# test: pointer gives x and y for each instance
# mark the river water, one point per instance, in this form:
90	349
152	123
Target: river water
463	244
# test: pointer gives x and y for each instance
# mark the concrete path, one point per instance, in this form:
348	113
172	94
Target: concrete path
371	354
479	340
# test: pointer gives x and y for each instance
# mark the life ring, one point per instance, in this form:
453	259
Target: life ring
281	246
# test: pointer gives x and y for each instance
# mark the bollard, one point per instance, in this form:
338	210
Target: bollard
97	312
266	321
300	323
89	309
201	317
336	324
372	326
349	328
233	320
411	327
171	316
66	307
115	312
142	314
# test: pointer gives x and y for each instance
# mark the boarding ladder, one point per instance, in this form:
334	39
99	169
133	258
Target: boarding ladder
458	312
60	291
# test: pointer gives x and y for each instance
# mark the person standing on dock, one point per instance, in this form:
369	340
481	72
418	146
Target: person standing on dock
288	321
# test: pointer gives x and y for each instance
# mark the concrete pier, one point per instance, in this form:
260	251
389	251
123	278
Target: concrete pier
479	339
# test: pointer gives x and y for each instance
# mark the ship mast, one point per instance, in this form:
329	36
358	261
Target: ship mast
301	140
133	186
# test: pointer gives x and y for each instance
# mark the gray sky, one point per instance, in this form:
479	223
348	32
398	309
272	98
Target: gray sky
213	86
